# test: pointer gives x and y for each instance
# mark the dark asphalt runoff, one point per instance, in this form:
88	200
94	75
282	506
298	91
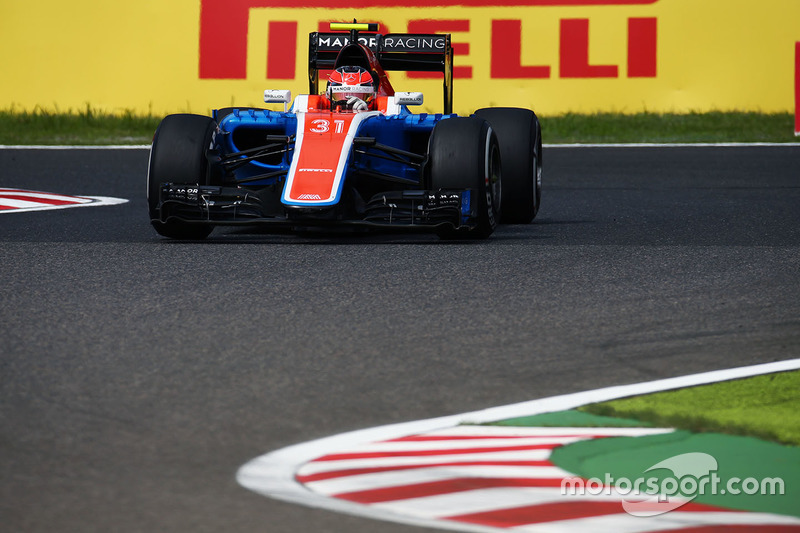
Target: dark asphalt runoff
138	374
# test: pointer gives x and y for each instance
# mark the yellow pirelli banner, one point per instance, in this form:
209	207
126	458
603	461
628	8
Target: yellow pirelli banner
553	56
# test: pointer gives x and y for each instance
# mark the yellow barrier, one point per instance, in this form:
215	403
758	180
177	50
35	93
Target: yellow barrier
554	56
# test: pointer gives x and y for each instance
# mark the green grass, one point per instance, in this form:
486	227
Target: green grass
569	418
767	407
669	128
92	127
84	127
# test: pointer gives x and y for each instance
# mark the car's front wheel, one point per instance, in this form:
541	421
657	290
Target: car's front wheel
178	155
464	154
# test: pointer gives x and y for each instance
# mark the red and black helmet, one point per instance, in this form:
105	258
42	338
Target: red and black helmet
345	82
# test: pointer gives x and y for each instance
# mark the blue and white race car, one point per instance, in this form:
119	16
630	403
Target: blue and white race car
353	157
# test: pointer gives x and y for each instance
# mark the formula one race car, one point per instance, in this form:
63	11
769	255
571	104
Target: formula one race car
354	157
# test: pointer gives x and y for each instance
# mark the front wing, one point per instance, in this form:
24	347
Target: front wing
406	211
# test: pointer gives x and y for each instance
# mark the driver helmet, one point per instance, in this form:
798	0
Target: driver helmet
346	82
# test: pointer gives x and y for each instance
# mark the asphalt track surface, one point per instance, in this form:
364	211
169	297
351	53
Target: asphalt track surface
138	374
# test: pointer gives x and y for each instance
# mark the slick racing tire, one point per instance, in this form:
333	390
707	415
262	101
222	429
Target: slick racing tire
178	155
464	154
520	137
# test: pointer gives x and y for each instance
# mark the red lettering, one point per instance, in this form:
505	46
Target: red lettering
642	41
223	40
506	59
574	52
459	49
281	59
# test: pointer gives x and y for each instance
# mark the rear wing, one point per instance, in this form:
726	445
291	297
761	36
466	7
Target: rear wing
394	51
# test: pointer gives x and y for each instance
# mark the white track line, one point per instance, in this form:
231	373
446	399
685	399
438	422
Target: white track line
545	145
318	467
423	475
476	501
74	147
400	447
667	145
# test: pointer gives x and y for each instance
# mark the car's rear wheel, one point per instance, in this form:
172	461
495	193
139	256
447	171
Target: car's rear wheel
520	137
464	154
178	155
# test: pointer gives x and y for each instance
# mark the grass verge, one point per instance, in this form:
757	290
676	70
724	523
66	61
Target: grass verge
767	407
86	127
715	127
93	127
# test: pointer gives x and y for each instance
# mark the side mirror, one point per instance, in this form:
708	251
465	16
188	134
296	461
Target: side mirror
278	97
403	98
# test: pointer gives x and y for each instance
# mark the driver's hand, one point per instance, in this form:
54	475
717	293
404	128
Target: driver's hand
357	104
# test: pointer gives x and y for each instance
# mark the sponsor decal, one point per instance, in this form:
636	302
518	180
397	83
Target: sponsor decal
336	41
358	89
414	43
405	98
223	46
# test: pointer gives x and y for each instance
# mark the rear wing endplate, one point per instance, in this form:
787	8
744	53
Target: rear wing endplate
394	51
